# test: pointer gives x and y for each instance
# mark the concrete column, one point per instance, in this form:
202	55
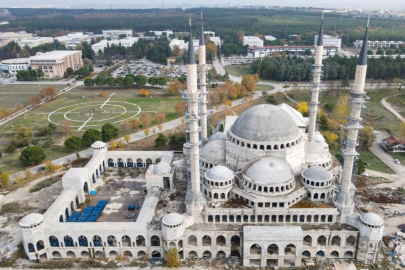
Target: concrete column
202	67
316	80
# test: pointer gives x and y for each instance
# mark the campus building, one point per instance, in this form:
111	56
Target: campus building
328	40
14	65
34	41
256	52
379	44
117	32
124	42
72	40
264	191
54	64
393	144
252	41
15	36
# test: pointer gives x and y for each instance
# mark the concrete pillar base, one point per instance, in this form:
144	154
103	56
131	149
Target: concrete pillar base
195	203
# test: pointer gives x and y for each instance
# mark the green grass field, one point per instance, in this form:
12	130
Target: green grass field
238	70
375	163
78	99
12	94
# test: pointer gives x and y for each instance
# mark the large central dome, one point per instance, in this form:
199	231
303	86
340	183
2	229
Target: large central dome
265	123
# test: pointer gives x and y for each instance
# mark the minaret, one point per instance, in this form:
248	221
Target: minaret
345	197
202	69
195	199
316	84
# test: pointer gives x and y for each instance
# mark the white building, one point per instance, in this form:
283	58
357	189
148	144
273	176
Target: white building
256	52
73	39
271	38
15	36
379	44
252	41
35	41
161	33
210	33
216	40
55	63
125	42
328	40
117	32
178	42
14	65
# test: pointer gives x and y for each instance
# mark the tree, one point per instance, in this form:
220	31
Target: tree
99	81
176	50
152	81
302	107
179	108
144	92
360	166
330	136
108	131
345	83
120	144
172	258
110	81
368	138
212	48
113	145
145	119
66	126
127	138
32	155
341	110
120	81
24	134
83	72
161	81
128	81
69	71
161	140
88	82
91	136
4	179
240	35
91	69
174	87
73	143
103	93
49	166
249	82
160	117
160	127
147	131
140	80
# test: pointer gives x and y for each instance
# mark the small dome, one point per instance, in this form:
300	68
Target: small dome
266	123
172	219
317	173
316	153
270	171
372	219
98	144
31	219
218	136
162	168
214	151
219	173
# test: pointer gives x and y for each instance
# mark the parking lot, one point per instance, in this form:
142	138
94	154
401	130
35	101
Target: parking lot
150	69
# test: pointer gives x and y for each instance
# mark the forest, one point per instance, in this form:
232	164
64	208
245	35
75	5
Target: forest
334	68
225	22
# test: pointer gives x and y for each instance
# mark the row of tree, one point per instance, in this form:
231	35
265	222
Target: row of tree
127	81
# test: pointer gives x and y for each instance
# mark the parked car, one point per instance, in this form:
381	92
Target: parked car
397	161
364	174
376	132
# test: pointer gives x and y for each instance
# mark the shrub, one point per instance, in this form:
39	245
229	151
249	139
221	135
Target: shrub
108	131
32	155
90	136
73	143
11	148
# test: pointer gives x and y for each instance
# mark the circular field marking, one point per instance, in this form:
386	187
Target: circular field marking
93	114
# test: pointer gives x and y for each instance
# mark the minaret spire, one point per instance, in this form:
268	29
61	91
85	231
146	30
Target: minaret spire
191	56
202	75
345	198
316	84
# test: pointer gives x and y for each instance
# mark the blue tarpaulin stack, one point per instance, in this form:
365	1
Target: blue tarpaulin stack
89	214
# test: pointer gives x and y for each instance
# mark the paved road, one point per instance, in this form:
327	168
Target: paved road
389	107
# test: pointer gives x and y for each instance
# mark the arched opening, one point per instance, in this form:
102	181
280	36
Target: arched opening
348	254
180	244
221	255
72	206
97	242
53	241
290	250
84	254
320	253
235	242
43	256
322	240
255	249
156	254
126	241
112	241
77	200
56	255
127	254
334	254
155	241
221	241
110	162
172	245
307	241
141	254
306	254
130	163
68	241
83	241
158	160
336	241
192	240
31	247
272	249
192	255
40	245
140	241
99	254
120	162
70	254
113	254
67	213
85	188
148	162
350	241
215	195
207	255
235	254
94	178
206	240
139	162
61	218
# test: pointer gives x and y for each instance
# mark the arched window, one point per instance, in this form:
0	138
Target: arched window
40	245
97	242
53	241
126	241
290	250
221	241
31	247
322	240
336	241
112	241
334	254
68	241
192	255
206	240
351	241
155	241
255	249
207	255
272	249
307	241
83	241
140	241
148	162
110	162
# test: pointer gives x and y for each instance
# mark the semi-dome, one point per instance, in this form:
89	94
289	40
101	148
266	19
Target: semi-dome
98	144
162	168
218	136
265	123
316	153
214	151
172	219
372	219
317	173
219	173
270	171
31	220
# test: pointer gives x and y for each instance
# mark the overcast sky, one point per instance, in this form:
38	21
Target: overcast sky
365	4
